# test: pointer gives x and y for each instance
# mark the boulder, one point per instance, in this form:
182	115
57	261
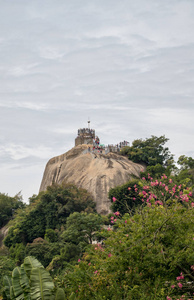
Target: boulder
94	171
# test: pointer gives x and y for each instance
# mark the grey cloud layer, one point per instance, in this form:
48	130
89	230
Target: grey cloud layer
127	65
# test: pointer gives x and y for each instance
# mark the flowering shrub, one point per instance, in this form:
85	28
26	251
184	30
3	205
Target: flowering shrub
182	287
146	252
148	192
126	197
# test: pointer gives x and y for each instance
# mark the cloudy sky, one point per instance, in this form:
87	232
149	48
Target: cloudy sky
127	65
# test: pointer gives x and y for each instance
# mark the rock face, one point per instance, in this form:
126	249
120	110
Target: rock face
95	172
3	233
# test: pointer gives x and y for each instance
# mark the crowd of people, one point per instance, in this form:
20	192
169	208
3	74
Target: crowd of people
100	148
86	131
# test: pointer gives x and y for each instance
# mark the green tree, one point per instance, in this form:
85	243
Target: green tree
51	235
126	198
82	227
6	266
50	211
151	151
186	162
42	250
17	252
143	256
141	259
81	230
8	206
186	173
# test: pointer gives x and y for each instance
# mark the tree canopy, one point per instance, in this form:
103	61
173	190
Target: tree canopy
150	151
49	211
147	255
8	206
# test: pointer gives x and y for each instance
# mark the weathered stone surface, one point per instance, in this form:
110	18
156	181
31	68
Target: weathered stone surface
3	234
96	173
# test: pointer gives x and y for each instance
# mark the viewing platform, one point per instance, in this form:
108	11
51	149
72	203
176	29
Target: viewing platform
87	136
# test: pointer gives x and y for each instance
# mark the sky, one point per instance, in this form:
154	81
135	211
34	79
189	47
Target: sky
126	65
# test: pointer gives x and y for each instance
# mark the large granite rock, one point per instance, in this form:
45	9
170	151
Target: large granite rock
95	172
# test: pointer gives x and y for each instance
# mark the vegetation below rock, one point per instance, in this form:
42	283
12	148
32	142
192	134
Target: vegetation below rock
142	250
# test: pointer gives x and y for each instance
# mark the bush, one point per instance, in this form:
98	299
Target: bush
49	212
142	258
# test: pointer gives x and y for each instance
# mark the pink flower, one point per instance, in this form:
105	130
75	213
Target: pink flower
173	286
109	255
125	221
79	260
129	188
117	213
134	198
143	178
180	285
89	264
95	272
114	199
192	204
170	180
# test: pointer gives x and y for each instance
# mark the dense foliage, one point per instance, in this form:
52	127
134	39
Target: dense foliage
6	265
56	227
143	250
150	151
49	211
126	198
8	206
146	253
30	281
186	172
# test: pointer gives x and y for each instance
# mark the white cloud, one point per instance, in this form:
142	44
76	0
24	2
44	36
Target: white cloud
20	70
17	152
50	53
26	105
127	65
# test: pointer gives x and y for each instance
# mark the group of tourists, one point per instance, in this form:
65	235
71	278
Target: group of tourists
85	131
99	148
